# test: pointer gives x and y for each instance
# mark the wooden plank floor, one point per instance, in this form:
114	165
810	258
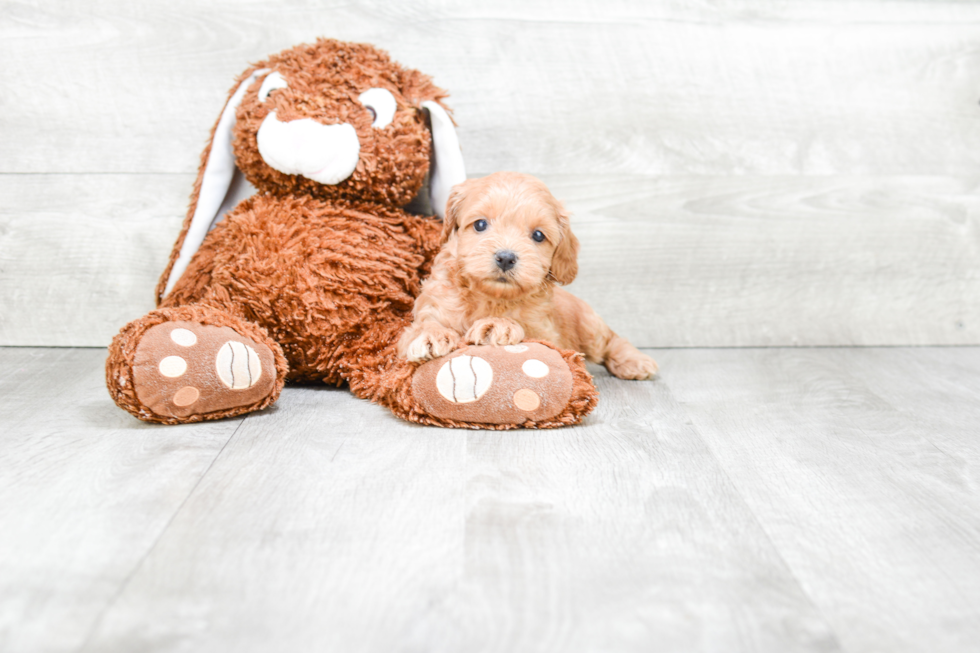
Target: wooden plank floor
750	500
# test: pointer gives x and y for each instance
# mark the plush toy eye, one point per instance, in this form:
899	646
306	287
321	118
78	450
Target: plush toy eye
271	82
381	103
538	236
480	225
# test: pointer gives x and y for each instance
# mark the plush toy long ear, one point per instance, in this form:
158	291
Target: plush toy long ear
220	186
446	169
564	261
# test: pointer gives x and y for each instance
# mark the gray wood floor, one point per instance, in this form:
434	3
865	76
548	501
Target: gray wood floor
750	500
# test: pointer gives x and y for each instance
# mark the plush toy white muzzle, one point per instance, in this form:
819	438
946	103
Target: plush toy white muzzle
324	153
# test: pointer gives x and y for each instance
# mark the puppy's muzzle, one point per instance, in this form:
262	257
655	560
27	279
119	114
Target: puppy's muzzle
505	259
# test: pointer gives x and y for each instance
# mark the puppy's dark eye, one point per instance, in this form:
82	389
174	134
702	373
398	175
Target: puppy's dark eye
480	225
538	236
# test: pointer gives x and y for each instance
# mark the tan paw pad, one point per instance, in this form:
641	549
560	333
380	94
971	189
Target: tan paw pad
186	396
527	400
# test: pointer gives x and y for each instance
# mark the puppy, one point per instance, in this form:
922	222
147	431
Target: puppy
507	245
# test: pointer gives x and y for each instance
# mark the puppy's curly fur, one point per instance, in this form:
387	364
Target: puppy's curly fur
506	246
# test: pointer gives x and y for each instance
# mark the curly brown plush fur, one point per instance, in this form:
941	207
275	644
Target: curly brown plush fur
309	270
324	275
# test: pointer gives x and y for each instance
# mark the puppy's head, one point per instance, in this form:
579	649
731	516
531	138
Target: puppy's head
509	235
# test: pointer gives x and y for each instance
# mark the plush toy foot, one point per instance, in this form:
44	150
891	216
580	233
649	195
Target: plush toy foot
527	385
186	370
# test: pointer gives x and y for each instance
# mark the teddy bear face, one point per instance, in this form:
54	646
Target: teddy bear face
336	120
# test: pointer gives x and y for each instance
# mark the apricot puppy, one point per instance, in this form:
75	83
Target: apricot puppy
507	245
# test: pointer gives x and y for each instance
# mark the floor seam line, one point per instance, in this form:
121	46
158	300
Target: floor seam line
691	421
139	565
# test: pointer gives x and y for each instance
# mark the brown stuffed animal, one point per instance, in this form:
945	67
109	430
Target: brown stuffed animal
313	277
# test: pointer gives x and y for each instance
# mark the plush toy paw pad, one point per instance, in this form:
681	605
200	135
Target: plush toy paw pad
513	384
186	396
238	365
186	368
464	379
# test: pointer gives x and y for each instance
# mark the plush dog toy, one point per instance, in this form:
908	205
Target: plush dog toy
298	261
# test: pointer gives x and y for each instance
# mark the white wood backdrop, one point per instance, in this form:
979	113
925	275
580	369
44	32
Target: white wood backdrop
742	173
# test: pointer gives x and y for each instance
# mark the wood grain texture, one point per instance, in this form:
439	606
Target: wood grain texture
569	87
80	254
749	500
741	173
693	261
943	404
85	492
332	524
739	261
621	535
862	476
835	147
329	525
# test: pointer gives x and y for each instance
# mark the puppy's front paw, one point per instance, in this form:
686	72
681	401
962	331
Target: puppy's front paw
432	342
632	365
495	331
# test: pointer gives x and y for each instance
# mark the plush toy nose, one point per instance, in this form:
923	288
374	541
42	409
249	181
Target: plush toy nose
505	258
324	153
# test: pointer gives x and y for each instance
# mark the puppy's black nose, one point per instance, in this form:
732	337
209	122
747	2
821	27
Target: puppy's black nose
505	259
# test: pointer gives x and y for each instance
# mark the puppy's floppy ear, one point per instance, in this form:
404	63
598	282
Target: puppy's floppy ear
453	206
564	262
219	187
